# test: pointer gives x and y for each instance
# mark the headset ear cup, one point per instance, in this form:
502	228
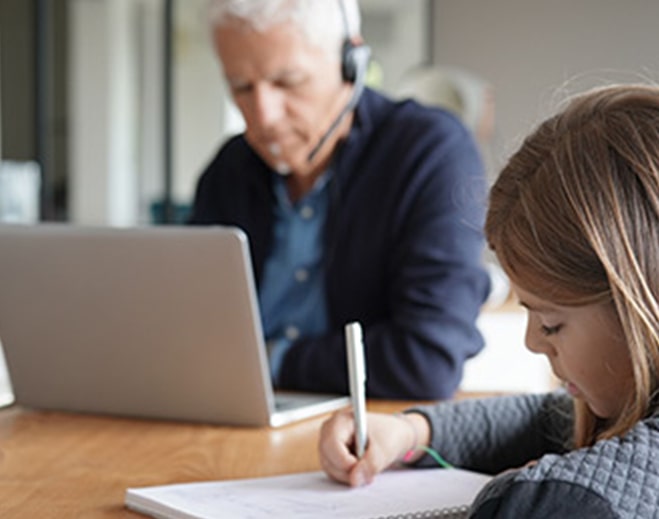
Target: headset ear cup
348	62
354	61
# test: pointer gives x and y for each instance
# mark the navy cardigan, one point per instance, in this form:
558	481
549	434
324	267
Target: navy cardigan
403	246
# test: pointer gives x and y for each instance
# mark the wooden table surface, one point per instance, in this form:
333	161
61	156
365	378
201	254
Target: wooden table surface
65	465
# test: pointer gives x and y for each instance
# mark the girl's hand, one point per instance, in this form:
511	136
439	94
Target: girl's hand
389	438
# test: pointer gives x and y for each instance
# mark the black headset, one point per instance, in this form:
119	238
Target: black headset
354	64
354	57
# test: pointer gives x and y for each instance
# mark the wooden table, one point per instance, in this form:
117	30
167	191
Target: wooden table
61	465
66	465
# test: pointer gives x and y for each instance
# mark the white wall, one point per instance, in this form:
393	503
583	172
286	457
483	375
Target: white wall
105	112
88	120
533	51
505	364
116	119
202	119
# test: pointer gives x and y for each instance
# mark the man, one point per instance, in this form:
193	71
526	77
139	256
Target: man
356	208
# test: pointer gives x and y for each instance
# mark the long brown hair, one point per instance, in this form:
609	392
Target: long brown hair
574	219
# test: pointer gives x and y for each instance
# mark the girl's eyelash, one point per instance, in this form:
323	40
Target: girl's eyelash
550	330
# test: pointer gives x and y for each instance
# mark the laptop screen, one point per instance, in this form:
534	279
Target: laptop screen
155	322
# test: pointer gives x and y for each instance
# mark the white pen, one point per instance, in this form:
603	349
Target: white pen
357	377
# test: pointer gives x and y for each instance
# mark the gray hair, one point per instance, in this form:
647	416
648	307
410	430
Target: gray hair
323	22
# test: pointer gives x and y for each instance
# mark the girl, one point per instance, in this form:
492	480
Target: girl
574	221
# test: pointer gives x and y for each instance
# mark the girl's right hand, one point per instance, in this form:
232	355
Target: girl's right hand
389	438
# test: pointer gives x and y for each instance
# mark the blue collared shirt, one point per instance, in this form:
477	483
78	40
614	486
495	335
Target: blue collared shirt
292	291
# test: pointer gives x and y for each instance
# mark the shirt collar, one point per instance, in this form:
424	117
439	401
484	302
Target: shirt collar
318	189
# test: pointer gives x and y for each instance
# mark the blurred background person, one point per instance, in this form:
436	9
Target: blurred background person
357	208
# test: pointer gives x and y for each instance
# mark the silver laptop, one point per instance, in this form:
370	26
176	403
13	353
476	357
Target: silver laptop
153	322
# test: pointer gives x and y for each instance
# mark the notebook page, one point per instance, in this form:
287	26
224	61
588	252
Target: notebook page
310	495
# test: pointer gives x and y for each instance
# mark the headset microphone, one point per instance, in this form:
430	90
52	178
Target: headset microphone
354	64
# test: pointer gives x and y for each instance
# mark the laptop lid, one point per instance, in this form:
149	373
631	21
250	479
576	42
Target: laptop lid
154	322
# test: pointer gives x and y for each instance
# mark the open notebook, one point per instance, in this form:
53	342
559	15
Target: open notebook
427	493
156	322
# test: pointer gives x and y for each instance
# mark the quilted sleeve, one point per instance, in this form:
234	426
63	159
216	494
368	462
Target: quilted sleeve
493	434
505	498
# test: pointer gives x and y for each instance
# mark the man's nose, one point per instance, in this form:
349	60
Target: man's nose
268	105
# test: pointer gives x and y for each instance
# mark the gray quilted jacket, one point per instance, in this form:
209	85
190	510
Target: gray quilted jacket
614	478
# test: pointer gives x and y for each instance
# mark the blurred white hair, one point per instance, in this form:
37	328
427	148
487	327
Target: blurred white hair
322	21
